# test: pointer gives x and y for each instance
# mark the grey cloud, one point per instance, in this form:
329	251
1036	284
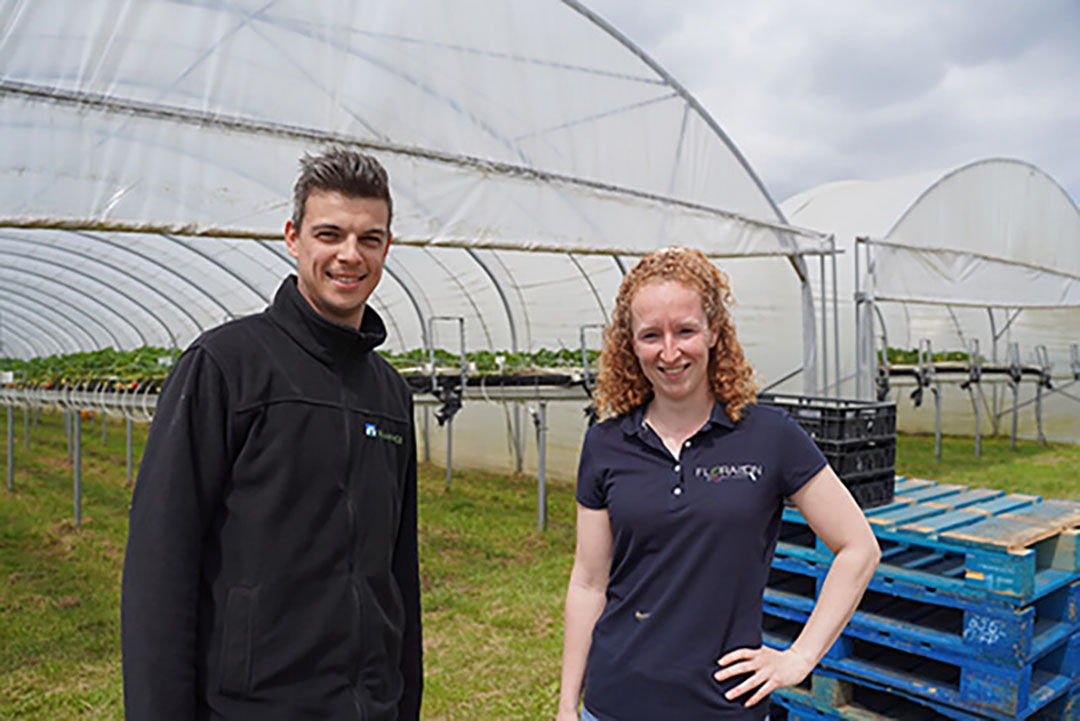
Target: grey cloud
869	75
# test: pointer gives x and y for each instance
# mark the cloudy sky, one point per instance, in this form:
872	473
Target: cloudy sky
813	91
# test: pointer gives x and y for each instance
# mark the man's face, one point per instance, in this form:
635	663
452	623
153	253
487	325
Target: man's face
339	251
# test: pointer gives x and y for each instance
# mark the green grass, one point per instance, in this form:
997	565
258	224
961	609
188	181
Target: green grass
492	585
1050	471
60	584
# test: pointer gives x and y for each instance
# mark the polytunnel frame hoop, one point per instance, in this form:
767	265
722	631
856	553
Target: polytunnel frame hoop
248	126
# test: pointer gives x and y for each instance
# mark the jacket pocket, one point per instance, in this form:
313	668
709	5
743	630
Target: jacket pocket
237	640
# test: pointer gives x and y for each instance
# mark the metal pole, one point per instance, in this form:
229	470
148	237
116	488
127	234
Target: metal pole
26	427
449	453
1014	361
978	427
104	427
11	448
858	324
975	371
937	421
1015	415
995	418
129	464
835	315
78	468
541	470
67	431
1042	357
427	434
824	333
519	452
1040	437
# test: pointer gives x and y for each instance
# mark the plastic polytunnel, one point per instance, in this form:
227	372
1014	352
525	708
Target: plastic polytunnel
988	252
150	149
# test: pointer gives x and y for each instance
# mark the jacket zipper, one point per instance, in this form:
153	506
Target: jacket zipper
350	510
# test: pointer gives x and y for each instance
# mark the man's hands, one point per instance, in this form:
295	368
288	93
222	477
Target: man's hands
770	669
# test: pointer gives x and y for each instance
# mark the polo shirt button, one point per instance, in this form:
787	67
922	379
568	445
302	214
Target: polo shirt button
677	467
687	444
677	491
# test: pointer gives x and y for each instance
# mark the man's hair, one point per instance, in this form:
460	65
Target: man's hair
353	174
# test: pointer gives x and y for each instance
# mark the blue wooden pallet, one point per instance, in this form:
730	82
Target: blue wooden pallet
847	699
970	685
962	542
939	626
830	698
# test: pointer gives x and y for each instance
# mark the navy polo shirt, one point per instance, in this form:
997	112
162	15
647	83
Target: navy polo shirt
693	539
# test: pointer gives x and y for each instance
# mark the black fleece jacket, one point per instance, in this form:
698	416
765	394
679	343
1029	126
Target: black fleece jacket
271	567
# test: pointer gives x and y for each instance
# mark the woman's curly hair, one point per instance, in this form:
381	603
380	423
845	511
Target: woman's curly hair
621	385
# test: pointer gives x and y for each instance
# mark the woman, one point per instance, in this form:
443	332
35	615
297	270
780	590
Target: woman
680	494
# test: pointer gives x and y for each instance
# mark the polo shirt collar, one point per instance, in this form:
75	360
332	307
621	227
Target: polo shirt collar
633	423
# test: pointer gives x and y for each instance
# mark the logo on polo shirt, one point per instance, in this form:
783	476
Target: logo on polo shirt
372	431
730	472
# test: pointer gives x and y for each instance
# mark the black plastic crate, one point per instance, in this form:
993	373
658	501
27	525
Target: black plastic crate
853	460
874	490
837	419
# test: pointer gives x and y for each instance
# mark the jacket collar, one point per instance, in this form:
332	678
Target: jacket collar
331	342
633	423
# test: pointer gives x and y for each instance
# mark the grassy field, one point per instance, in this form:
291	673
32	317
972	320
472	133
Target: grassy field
492	584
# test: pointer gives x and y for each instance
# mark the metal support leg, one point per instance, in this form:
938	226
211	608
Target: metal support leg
11	448
26	427
978	423
1015	414
104	428
129	464
541	469
1038	414
449	453
67	431
427	434
77	433
1043	359
1015	373
937	423
519	451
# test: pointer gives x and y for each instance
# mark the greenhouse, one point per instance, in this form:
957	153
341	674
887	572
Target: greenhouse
533	155
979	261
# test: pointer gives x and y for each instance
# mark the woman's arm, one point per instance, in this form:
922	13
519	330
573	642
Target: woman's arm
835	517
585	598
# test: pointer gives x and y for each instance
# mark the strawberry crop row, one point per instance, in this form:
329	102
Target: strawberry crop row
126	370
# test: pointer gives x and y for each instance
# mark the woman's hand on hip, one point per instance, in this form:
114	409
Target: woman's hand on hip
769	670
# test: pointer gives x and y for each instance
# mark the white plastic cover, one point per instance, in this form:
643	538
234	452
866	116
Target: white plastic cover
989	251
528	145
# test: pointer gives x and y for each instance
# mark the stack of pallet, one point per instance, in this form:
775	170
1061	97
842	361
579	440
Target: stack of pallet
974	612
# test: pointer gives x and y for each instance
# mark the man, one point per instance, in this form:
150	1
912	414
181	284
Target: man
271	568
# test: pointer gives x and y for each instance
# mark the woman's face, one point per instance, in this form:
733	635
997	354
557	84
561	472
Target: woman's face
672	338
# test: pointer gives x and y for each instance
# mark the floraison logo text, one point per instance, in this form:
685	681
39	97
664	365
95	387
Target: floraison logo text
730	472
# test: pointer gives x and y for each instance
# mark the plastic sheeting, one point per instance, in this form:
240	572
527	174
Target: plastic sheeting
988	251
150	148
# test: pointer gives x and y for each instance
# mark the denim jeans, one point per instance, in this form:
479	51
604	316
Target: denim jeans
586	716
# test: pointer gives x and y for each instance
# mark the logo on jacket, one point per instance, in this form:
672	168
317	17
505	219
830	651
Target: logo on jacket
372	431
730	471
